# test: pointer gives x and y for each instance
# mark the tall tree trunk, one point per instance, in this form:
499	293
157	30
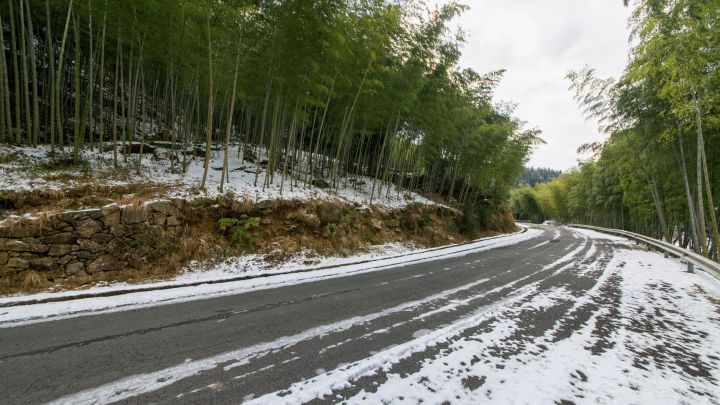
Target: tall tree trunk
658	207
231	110
115	103
25	74
143	122
708	187
211	91
51	62
702	231
77	134
16	74
688	194
101	93
33	70
91	85
6	86
59	77
261	132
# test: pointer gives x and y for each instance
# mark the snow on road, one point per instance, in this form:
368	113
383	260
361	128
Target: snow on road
652	336
609	323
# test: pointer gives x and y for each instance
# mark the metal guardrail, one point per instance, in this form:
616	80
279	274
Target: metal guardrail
691	258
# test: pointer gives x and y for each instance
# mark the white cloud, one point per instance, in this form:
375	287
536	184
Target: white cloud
538	42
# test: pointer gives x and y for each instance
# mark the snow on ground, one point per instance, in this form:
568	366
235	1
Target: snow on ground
659	344
599	235
287	274
14	175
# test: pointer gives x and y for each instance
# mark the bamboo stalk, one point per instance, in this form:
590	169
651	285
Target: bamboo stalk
16	73
33	70
229	122
211	90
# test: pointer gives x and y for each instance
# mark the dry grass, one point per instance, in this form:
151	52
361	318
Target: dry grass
136	206
41	221
89	194
32	280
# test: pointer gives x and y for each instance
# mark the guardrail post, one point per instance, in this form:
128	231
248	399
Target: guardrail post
667	255
691	267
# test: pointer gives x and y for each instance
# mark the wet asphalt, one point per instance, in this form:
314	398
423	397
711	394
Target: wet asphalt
363	314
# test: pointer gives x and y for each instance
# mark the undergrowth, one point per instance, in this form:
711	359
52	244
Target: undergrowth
240	229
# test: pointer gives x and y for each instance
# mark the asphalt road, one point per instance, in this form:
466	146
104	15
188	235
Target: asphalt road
234	348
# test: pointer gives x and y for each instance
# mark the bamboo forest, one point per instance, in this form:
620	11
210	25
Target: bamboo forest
658	172
321	89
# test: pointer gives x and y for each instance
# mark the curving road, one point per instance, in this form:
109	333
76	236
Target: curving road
563	317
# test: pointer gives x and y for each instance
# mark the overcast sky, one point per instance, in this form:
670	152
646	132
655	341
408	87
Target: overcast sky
538	42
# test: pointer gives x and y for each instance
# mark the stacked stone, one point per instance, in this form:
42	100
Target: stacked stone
79	243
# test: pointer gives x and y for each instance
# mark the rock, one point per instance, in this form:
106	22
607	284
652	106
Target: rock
142	251
326	233
81	278
43	264
329	213
4	256
109	209
18	263
87	228
65	260
111	219
54	275
13	245
95	213
114	245
172	221
85	255
133	215
309	220
60	250
179	203
139	229
265	204
7	271
89	245
376	224
102	237
73	216
117	231
320	183
56	224
32	241
74	268
103	263
65	238
165	207
158	218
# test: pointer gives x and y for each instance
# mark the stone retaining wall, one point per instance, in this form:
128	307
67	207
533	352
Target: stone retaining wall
80	243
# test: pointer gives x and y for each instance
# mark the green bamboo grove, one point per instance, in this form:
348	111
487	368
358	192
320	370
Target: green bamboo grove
659	171
325	89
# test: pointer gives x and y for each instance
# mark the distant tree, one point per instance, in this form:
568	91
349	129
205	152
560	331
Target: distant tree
534	175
